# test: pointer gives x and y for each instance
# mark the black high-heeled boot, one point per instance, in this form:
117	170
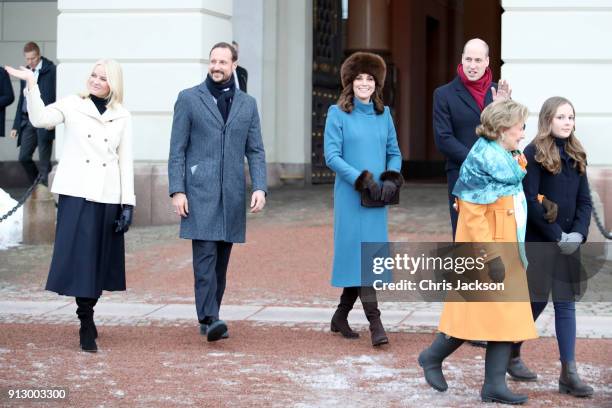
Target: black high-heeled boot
370	307
339	321
88	331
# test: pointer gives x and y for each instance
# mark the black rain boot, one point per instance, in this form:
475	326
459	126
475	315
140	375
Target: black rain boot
87	332
370	307
495	388
570	382
339	322
517	370
431	359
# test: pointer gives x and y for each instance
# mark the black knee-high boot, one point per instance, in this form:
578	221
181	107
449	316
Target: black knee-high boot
431	359
370	307
517	370
339	322
495	388
88	331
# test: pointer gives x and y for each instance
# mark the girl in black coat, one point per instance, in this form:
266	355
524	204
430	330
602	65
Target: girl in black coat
557	169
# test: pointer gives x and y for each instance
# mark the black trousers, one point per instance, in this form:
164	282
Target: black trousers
210	260
29	141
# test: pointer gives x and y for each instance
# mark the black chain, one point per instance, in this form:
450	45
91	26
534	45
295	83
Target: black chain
607	234
22	199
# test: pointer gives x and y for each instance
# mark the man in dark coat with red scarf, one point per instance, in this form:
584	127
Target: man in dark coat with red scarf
457	107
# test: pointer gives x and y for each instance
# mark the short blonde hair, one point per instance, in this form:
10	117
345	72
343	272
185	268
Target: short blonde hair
114	77
499	116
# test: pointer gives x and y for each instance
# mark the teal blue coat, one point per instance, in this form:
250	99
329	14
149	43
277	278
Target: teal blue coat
354	142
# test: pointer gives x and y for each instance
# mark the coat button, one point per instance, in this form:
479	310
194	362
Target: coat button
106	140
87	161
103	164
510	212
88	135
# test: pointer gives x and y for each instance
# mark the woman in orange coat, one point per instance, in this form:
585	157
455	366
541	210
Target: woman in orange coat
492	209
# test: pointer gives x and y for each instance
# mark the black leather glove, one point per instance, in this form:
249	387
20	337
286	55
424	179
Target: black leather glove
365	182
552	210
122	224
497	270
392	181
388	190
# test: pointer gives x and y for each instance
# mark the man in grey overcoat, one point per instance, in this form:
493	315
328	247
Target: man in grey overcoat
215	126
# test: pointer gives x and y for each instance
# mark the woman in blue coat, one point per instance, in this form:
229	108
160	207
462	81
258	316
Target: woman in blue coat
361	147
557	169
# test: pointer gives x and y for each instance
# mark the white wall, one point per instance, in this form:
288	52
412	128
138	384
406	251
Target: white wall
21	22
248	29
163	47
561	47
294	81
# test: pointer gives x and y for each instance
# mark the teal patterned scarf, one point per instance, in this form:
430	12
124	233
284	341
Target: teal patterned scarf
488	173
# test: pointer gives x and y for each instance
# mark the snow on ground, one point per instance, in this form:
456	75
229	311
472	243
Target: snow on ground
11	228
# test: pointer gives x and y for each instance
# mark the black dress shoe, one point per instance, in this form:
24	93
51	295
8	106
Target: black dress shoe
518	371
216	330
478	343
204	331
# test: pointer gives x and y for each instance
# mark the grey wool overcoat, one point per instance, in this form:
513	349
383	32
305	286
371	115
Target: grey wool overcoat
207	163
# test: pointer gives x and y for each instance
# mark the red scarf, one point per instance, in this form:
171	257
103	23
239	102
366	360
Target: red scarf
478	89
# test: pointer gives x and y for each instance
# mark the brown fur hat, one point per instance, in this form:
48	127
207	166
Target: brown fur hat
360	63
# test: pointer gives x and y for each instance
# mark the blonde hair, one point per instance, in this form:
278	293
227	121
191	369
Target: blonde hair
499	116
114	78
547	152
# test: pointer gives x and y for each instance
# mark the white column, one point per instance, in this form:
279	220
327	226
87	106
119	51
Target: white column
287	88
560	47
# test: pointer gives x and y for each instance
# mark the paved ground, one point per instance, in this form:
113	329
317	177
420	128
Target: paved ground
278	303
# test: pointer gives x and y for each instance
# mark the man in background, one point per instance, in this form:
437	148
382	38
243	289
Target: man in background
241	73
29	137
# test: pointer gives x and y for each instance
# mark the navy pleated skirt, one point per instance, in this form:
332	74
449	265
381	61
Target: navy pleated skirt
88	255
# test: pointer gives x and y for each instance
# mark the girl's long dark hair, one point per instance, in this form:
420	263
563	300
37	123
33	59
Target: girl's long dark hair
547	153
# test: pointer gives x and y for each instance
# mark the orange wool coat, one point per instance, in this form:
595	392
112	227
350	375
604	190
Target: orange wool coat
492	321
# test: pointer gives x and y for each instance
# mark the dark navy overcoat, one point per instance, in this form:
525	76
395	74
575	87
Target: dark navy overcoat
569	189
455	118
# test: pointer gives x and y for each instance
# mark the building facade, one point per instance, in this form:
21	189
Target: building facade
292	50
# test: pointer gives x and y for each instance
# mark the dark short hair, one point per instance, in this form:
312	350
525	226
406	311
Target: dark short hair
228	46
31	46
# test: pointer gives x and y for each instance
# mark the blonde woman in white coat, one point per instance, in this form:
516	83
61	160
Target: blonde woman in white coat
95	183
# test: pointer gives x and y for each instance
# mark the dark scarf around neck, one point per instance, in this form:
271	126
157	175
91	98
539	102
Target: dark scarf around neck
223	93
